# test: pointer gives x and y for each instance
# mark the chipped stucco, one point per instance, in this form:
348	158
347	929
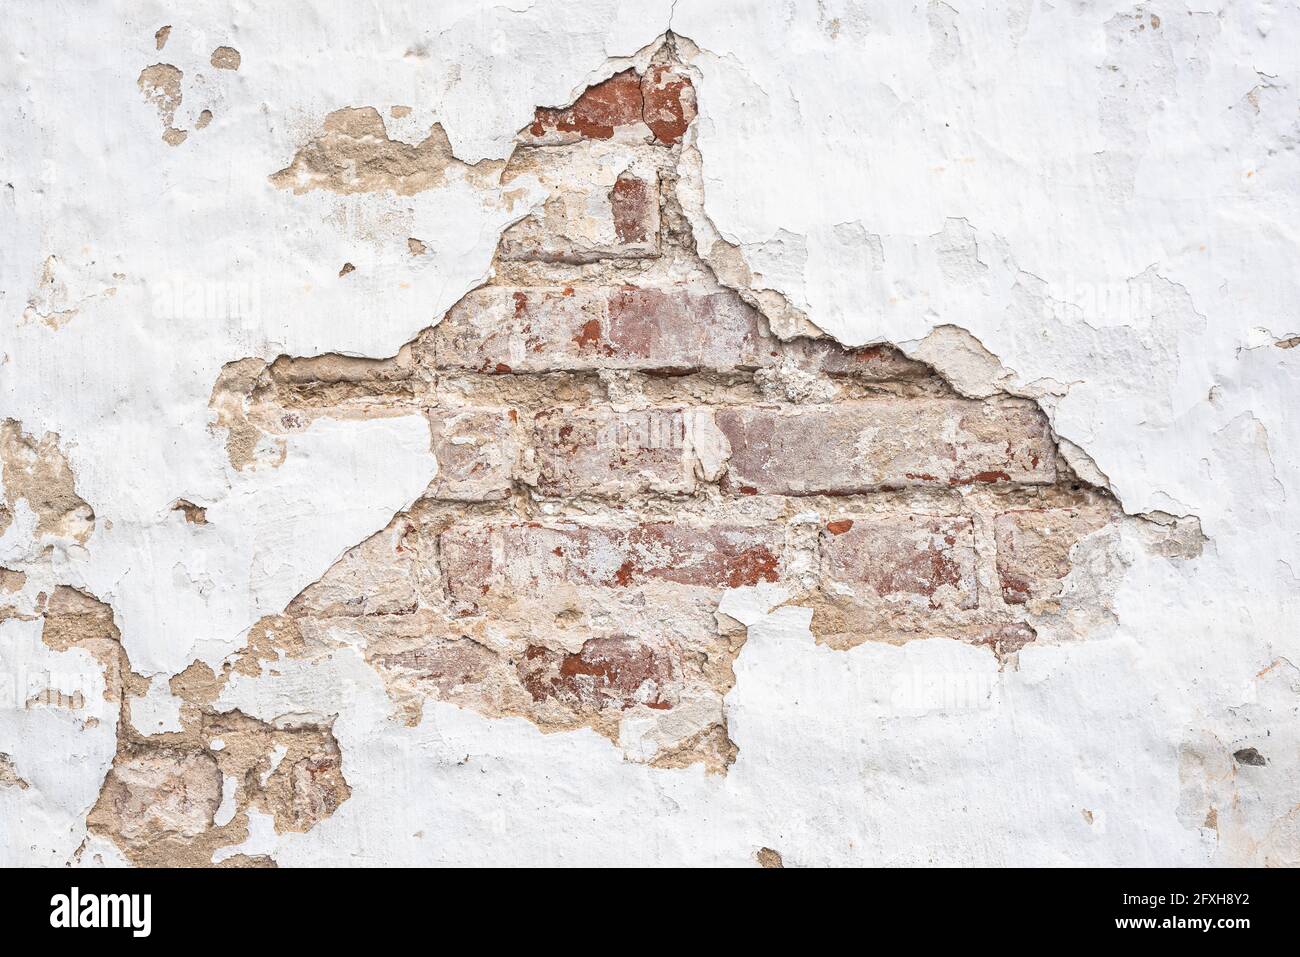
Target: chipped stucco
224	260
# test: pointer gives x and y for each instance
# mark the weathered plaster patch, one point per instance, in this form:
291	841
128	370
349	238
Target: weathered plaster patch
61	292
161	86
36	472
353	154
225	58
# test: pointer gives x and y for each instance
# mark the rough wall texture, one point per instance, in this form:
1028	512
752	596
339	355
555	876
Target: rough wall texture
529	514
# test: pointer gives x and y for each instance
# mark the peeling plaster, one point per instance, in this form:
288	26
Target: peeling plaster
906	176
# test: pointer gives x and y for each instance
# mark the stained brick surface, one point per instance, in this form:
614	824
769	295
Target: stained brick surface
532	329
917	559
616	453
856	447
1033	549
615	672
477	452
523	559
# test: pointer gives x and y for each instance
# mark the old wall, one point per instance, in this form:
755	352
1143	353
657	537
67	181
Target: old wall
594	433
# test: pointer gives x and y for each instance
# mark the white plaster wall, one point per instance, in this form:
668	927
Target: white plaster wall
1111	211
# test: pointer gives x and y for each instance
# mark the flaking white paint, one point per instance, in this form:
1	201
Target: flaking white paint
1110	211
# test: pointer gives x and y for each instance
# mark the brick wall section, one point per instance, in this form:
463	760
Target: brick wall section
477	451
916	559
523	559
621	440
1033	549
614	453
879	444
531	329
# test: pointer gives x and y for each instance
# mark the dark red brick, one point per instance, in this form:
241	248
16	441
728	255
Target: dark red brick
669	103
597	113
631	200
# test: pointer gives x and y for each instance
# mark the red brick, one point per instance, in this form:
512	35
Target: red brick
477	451
1033	549
483	562
679	329
669	103
634	206
542	329
912	559
618	672
886	443
596	114
676	328
615	453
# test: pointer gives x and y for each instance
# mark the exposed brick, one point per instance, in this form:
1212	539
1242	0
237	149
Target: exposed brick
680	329
587	405
676	328
527	558
1033	549
669	102
869	445
595	210
616	453
615	672
916	559
542	329
477	452
594	115
445	664
634	205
